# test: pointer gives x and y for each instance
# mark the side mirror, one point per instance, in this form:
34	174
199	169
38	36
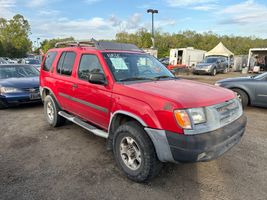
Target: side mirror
97	78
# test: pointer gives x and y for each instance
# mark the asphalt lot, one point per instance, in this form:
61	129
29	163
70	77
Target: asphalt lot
40	162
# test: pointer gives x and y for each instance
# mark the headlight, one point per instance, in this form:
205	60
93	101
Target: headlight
185	118
8	90
198	115
217	84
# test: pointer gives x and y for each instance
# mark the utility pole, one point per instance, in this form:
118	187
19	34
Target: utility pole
152	11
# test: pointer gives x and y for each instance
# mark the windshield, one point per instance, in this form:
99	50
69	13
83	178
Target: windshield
32	62
260	76
132	66
18	72
210	60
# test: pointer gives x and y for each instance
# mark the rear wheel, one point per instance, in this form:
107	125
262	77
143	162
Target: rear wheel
242	96
51	110
225	71
134	152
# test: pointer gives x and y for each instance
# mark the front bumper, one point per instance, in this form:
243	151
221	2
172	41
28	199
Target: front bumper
202	71
173	147
16	99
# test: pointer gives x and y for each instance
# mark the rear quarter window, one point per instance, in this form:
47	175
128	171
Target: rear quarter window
66	63
50	57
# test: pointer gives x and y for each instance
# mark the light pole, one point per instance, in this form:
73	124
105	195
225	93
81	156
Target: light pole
38	42
152	11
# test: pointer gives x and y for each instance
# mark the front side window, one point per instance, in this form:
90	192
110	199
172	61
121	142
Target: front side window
134	66
89	64
66	62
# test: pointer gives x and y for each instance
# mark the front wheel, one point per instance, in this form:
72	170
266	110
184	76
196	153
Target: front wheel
214	72
134	152
242	96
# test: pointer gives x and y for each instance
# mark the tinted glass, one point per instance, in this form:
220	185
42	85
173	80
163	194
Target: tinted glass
211	60
89	64
50	57
68	63
18	72
60	62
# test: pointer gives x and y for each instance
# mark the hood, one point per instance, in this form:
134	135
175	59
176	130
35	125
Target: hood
236	79
30	82
184	93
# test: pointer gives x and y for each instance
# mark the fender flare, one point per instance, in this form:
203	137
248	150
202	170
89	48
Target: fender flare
113	115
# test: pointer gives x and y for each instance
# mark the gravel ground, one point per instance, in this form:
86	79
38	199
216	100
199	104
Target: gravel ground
40	162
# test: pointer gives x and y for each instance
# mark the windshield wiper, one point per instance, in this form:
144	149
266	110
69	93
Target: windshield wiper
135	79
164	76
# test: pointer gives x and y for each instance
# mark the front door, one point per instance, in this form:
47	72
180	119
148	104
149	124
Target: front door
261	91
93	100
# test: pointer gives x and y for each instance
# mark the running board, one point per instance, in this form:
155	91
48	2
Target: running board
83	124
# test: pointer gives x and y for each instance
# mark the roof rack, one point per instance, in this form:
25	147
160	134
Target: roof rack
74	43
100	45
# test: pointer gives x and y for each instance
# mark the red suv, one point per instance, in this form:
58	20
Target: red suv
147	115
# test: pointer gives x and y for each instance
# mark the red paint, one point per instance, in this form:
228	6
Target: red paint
153	102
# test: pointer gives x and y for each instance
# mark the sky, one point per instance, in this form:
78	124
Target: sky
102	19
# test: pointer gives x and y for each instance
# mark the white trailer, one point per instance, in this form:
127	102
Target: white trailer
186	56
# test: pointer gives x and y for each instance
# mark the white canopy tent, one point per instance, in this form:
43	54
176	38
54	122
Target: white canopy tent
219	50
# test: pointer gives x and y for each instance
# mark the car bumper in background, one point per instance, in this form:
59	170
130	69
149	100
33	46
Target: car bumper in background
173	147
201	71
16	99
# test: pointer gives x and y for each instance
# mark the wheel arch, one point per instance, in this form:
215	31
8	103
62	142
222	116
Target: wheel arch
118	118
244	90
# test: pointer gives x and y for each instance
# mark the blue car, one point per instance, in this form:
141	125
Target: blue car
18	84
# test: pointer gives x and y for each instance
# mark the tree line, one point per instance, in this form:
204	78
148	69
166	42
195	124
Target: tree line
165	41
206	41
14	37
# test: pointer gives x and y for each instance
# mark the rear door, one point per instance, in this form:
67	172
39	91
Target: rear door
93	100
64	83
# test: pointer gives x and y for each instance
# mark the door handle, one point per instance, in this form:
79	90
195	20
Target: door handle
74	85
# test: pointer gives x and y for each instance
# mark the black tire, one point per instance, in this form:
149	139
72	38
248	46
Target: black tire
243	97
149	166
54	119
3	104
225	71
213	72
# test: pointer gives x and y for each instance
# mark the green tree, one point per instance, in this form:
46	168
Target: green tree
49	44
14	37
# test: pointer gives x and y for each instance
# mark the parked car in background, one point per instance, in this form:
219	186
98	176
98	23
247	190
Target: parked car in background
10	61
211	65
148	116
3	61
251	90
18	84
164	61
30	61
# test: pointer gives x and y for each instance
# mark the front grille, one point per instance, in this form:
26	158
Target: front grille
31	90
228	111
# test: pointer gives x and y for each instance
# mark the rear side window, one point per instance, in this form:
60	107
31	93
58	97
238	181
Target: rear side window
89	64
50	57
65	63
